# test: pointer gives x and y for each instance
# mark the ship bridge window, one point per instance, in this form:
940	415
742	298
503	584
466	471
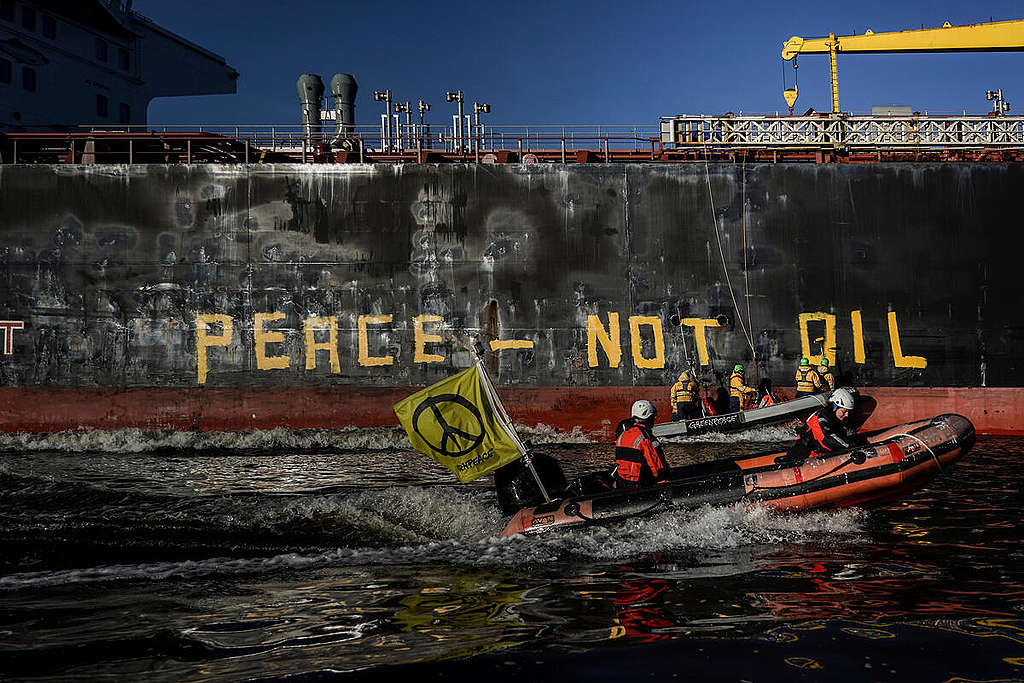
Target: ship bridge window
101	106
123	60
49	27
28	78
28	18
125	113
101	49
7	10
5	71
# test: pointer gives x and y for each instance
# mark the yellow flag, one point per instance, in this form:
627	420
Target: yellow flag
457	423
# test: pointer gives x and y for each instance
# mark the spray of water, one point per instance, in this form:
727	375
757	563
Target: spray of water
441	525
133	440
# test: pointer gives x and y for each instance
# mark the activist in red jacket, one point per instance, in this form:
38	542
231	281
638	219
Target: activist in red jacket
639	459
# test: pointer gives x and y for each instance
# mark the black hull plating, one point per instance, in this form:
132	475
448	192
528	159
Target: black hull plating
108	268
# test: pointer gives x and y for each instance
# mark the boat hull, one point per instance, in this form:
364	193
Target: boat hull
745	419
894	463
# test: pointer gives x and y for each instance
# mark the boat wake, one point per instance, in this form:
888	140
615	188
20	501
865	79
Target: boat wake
430	525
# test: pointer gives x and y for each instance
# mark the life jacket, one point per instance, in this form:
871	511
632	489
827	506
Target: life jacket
821	431
684	391
828	380
807	379
818	435
736	386
638	458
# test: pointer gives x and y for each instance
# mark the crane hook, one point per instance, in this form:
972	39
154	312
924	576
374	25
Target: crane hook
790	94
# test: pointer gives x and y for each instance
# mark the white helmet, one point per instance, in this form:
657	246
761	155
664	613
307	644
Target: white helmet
644	410
842	399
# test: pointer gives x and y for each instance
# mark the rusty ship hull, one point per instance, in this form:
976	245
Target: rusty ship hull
243	296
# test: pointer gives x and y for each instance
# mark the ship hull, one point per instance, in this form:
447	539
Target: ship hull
250	296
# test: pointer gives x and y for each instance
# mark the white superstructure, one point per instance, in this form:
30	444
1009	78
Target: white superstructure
70	63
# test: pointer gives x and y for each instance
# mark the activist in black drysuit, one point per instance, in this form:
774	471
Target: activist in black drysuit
824	431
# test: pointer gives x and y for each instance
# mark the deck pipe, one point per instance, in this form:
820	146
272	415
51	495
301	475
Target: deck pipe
343	93
311	94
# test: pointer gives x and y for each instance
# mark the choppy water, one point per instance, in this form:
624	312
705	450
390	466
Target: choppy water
166	557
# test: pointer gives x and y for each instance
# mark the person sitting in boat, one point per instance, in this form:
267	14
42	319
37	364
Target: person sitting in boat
639	459
808	381
684	398
828	380
825	430
738	390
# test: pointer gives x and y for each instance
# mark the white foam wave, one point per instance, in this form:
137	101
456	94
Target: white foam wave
543	434
398	514
134	440
714	528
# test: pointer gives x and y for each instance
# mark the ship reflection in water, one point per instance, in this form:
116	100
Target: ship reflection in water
180	557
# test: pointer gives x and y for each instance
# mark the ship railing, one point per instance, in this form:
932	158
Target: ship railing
842	132
292	137
678	138
265	143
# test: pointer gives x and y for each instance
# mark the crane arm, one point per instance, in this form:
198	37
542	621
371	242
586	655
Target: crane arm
997	36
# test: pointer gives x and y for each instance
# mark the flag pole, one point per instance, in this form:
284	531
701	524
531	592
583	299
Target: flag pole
506	422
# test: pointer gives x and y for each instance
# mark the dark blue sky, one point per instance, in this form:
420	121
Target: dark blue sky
576	62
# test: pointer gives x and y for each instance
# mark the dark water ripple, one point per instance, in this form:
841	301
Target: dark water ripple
188	563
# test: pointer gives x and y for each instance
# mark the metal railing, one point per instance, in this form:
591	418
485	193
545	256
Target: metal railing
846	132
819	138
291	138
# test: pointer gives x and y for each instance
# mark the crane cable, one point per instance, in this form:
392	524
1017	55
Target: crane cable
721	253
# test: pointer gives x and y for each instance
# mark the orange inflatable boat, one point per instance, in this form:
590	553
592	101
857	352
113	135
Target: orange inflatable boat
893	463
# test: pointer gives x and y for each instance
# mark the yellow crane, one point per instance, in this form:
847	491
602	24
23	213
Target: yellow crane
996	36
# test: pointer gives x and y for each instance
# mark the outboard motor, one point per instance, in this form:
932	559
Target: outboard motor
517	489
311	95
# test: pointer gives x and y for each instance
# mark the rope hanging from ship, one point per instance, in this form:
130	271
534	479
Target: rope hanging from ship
721	253
746	269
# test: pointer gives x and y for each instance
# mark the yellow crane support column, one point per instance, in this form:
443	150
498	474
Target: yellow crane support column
833	47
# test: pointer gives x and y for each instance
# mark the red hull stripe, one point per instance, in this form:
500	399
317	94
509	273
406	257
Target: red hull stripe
595	410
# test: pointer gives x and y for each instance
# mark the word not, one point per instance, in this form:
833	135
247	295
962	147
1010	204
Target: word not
8	327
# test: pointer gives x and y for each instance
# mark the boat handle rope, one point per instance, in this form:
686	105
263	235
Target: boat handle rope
576	512
838	467
938	462
852	458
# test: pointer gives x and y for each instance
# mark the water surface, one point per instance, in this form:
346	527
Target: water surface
319	554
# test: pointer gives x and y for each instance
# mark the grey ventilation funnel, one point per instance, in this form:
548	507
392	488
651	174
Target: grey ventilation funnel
343	92
311	95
